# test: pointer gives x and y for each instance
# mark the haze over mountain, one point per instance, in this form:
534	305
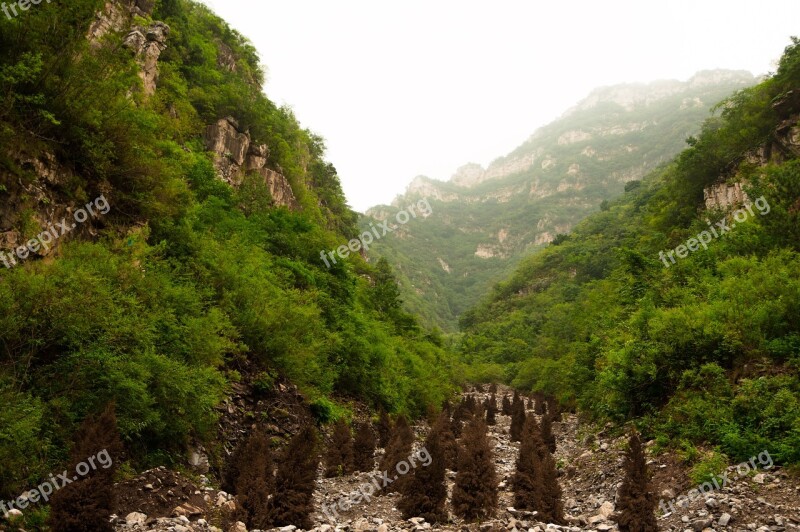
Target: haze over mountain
485	219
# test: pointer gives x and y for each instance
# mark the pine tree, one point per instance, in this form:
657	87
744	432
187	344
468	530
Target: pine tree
339	460
535	481
425	493
527	480
636	504
364	448
491	411
448	441
539	410
399	449
547	433
551	509
256	480
553	409
86	504
293	502
462	413
517	421
475	490
506	406
384	429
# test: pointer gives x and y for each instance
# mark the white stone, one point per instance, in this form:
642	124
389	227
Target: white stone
135	518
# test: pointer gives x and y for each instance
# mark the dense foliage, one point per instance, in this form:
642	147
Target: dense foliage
188	283
704	351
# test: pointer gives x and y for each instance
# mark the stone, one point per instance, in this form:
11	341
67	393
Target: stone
238	527
15	515
724	519
135	518
235	155
606	509
186	510
759	478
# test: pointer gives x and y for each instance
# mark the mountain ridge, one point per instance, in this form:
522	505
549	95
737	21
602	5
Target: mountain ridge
525	199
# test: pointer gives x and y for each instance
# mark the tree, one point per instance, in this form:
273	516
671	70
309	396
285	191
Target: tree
551	509
364	448
527	479
386	293
517	421
399	449
636	505
293	502
491	411
384	429
86	504
340	459
425	493
462	413
539	410
256	480
547	433
553	409
506	406
448	442
535	481
475	490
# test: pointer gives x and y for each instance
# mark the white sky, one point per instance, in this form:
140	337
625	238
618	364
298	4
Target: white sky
402	88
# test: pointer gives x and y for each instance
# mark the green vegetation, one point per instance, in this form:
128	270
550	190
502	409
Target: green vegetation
189	283
704	352
580	161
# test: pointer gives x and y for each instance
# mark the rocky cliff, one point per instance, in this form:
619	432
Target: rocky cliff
235	155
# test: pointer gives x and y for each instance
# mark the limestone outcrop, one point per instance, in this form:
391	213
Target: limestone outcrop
235	155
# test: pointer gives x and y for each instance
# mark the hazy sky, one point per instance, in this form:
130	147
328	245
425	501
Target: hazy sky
402	88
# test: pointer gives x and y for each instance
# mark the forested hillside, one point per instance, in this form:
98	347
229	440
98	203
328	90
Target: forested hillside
484	221
678	305
197	267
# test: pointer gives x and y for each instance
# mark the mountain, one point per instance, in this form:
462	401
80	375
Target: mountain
484	220
677	305
160	236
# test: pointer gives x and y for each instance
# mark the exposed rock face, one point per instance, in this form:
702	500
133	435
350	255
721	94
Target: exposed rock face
40	198
116	16
147	44
236	155
724	196
226	58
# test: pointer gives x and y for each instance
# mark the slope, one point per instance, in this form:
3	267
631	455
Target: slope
485	220
678	306
192	265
